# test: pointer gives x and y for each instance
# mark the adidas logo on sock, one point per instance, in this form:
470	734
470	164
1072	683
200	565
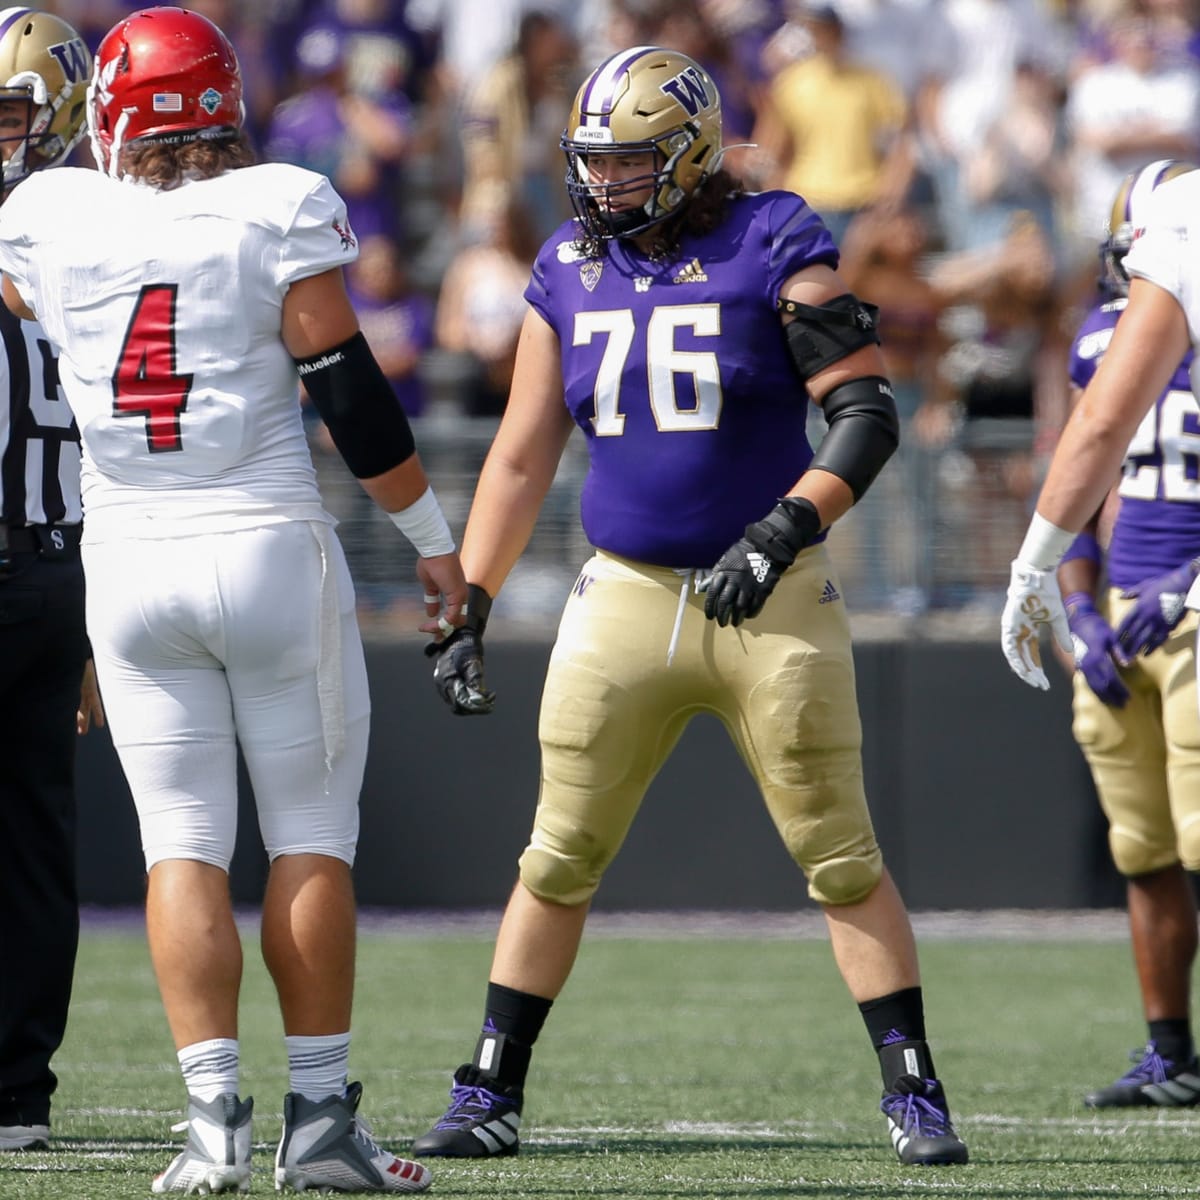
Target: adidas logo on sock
829	593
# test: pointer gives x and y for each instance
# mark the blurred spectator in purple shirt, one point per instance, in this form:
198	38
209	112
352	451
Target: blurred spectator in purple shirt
384	52
358	141
396	321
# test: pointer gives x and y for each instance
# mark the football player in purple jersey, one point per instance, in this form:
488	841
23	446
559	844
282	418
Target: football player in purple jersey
1136	718
684	326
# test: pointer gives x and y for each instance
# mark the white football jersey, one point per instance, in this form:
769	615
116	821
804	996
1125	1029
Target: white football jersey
1167	250
165	308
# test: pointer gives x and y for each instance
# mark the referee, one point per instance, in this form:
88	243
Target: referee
47	687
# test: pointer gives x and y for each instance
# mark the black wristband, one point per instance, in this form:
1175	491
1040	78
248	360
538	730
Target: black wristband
791	526
479	606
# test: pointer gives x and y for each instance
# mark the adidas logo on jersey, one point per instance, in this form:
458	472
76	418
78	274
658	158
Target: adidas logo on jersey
692	273
829	593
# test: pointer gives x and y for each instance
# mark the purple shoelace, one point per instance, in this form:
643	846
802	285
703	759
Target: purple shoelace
1150	1068
910	1110
467	1103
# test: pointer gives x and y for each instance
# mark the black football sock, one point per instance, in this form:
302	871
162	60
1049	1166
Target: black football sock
512	1021
896	1025
1172	1038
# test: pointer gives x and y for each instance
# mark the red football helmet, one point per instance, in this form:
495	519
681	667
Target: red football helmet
167	74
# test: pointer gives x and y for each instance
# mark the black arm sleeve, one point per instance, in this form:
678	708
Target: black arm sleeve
864	431
356	402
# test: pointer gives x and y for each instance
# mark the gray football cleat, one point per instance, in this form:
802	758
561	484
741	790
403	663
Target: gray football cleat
216	1157
326	1145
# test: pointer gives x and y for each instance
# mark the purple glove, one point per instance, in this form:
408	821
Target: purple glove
1158	610
1095	643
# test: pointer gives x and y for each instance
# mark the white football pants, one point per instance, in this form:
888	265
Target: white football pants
250	635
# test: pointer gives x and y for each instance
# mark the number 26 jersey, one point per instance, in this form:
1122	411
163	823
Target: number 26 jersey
165	308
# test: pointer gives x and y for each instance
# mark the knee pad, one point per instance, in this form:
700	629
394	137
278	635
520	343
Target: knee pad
558	878
1189	843
1133	855
846	880
828	832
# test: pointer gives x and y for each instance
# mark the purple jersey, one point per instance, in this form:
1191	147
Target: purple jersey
678	372
1158	523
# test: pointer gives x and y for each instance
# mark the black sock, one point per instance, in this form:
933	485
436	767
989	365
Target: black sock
519	1014
897	1017
512	1021
1172	1038
896	1025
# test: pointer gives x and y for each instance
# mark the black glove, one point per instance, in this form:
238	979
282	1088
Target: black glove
458	674
746	574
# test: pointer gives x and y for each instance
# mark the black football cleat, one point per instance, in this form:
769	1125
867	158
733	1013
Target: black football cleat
1153	1081
919	1122
481	1122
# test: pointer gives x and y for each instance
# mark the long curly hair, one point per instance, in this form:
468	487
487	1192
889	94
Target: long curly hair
706	210
166	164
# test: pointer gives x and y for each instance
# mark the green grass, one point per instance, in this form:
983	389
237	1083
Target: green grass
727	1066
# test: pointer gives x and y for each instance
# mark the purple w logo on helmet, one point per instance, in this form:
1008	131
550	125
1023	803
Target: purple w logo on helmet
688	89
74	59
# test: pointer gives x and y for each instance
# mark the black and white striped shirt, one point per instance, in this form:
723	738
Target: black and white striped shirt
39	440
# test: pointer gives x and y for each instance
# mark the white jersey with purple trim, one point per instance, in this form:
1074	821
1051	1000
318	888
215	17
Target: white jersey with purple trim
165	308
1166	251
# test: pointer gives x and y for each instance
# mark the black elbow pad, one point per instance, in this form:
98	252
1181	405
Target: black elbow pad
356	402
864	431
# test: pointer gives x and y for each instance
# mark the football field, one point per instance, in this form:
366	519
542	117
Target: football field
689	1057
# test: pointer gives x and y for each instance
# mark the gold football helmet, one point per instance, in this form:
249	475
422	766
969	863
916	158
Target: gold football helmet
647	99
1128	215
44	62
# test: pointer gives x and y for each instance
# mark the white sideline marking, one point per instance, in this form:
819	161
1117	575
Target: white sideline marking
1036	925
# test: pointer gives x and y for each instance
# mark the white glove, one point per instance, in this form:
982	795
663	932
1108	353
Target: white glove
1033	601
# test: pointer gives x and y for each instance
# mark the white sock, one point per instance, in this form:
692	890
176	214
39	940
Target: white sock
210	1069
318	1066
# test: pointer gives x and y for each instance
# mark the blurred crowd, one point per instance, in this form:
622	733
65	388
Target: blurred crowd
963	152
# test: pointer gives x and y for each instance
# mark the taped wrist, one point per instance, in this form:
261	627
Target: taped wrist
424	524
1044	545
791	526
864	431
356	402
